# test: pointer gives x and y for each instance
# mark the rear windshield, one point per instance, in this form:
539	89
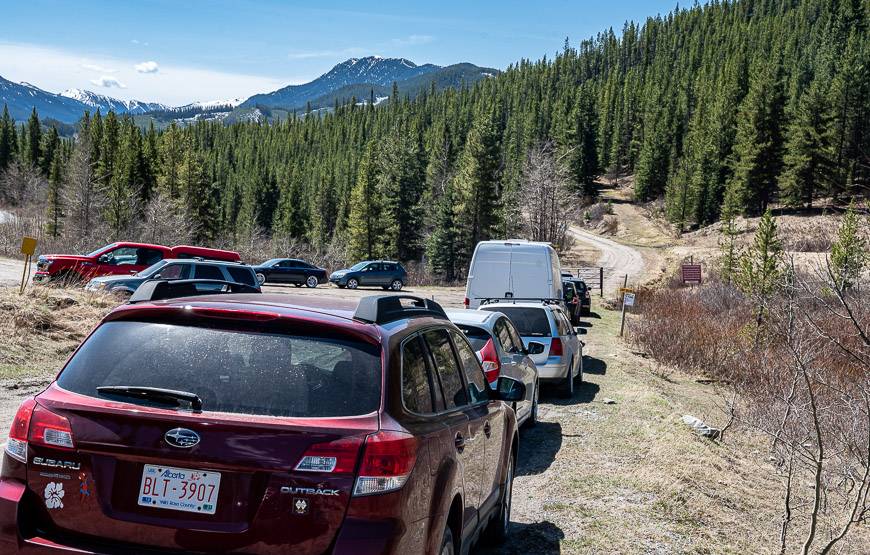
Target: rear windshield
242	275
529	321
476	336
230	370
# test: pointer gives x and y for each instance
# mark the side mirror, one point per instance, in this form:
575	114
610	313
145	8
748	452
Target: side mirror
510	390
156	276
133	272
103	259
535	348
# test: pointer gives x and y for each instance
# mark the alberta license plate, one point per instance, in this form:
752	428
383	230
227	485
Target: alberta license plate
180	489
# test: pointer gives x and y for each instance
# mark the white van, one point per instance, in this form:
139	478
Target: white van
514	268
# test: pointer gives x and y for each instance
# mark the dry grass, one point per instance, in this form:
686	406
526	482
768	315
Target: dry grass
43	326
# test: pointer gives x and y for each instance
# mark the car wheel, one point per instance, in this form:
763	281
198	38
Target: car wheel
396	285
568	384
533	415
311	282
498	528
261	278
447	545
352	283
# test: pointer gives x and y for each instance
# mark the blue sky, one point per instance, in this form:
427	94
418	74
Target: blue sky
180	51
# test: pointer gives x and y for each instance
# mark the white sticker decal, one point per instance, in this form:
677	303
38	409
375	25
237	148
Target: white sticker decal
54	495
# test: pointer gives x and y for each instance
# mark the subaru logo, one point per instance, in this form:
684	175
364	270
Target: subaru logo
181	437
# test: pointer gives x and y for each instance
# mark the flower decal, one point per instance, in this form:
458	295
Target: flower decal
54	495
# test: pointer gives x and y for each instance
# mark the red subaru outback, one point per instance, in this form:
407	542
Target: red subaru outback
250	424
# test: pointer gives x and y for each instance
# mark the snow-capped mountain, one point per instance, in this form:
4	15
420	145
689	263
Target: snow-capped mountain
106	103
21	98
372	70
210	104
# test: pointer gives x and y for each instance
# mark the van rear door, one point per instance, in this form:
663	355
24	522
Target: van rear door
489	275
530	272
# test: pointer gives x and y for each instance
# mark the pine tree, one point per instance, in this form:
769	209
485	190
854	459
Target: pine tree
730	256
442	247
8	140
807	158
366	230
477	183
758	147
55	198
171	156
849	253
761	267
33	136
199	195
50	147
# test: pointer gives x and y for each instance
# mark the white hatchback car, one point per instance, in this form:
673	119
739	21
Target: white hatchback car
546	322
502	353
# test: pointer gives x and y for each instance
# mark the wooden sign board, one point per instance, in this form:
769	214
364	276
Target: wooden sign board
28	246
691	274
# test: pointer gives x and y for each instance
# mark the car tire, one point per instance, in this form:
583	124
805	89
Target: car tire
568	384
352	283
448	546
533	415
397	284
311	282
261	278
498	528
340	286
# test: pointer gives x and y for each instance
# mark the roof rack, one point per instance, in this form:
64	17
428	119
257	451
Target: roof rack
494	300
160	289
381	309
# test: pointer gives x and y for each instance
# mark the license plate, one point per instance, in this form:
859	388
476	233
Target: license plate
179	489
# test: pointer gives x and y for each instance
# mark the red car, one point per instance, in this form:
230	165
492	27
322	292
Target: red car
118	259
244	423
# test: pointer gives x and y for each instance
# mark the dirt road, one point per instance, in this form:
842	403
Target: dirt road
10	271
618	260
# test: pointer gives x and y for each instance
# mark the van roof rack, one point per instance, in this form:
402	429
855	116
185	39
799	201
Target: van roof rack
495	300
161	289
381	309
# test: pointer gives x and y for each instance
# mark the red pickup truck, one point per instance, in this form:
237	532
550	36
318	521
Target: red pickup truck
118	258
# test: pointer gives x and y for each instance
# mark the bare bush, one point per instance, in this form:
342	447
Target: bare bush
548	205
805	385
22	185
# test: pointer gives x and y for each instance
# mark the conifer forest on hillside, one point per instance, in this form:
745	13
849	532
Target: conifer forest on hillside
719	109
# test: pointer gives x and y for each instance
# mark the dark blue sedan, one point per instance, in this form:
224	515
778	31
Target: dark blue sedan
290	270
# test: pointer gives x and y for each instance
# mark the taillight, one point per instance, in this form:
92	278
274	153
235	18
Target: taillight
466	302
388	458
50	429
16	445
36	425
490	362
575	300
335	457
555	347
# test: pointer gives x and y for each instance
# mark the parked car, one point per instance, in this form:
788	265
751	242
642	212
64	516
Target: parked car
383	273
290	270
513	269
118	259
242	423
502	353
572	302
582	292
176	269
546	322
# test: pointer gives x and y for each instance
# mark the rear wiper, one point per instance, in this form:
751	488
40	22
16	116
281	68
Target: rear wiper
154	393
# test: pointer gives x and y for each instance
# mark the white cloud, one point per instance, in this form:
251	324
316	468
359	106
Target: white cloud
56	70
108	82
135	41
147	67
413	40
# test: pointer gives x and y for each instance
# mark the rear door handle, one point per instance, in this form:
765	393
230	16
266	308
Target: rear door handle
487	429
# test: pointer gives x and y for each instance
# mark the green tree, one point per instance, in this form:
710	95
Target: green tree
55	198
33	137
8	139
849	254
442	247
365	225
761	267
807	150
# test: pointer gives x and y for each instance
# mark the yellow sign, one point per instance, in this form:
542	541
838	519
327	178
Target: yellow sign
28	246
626	290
